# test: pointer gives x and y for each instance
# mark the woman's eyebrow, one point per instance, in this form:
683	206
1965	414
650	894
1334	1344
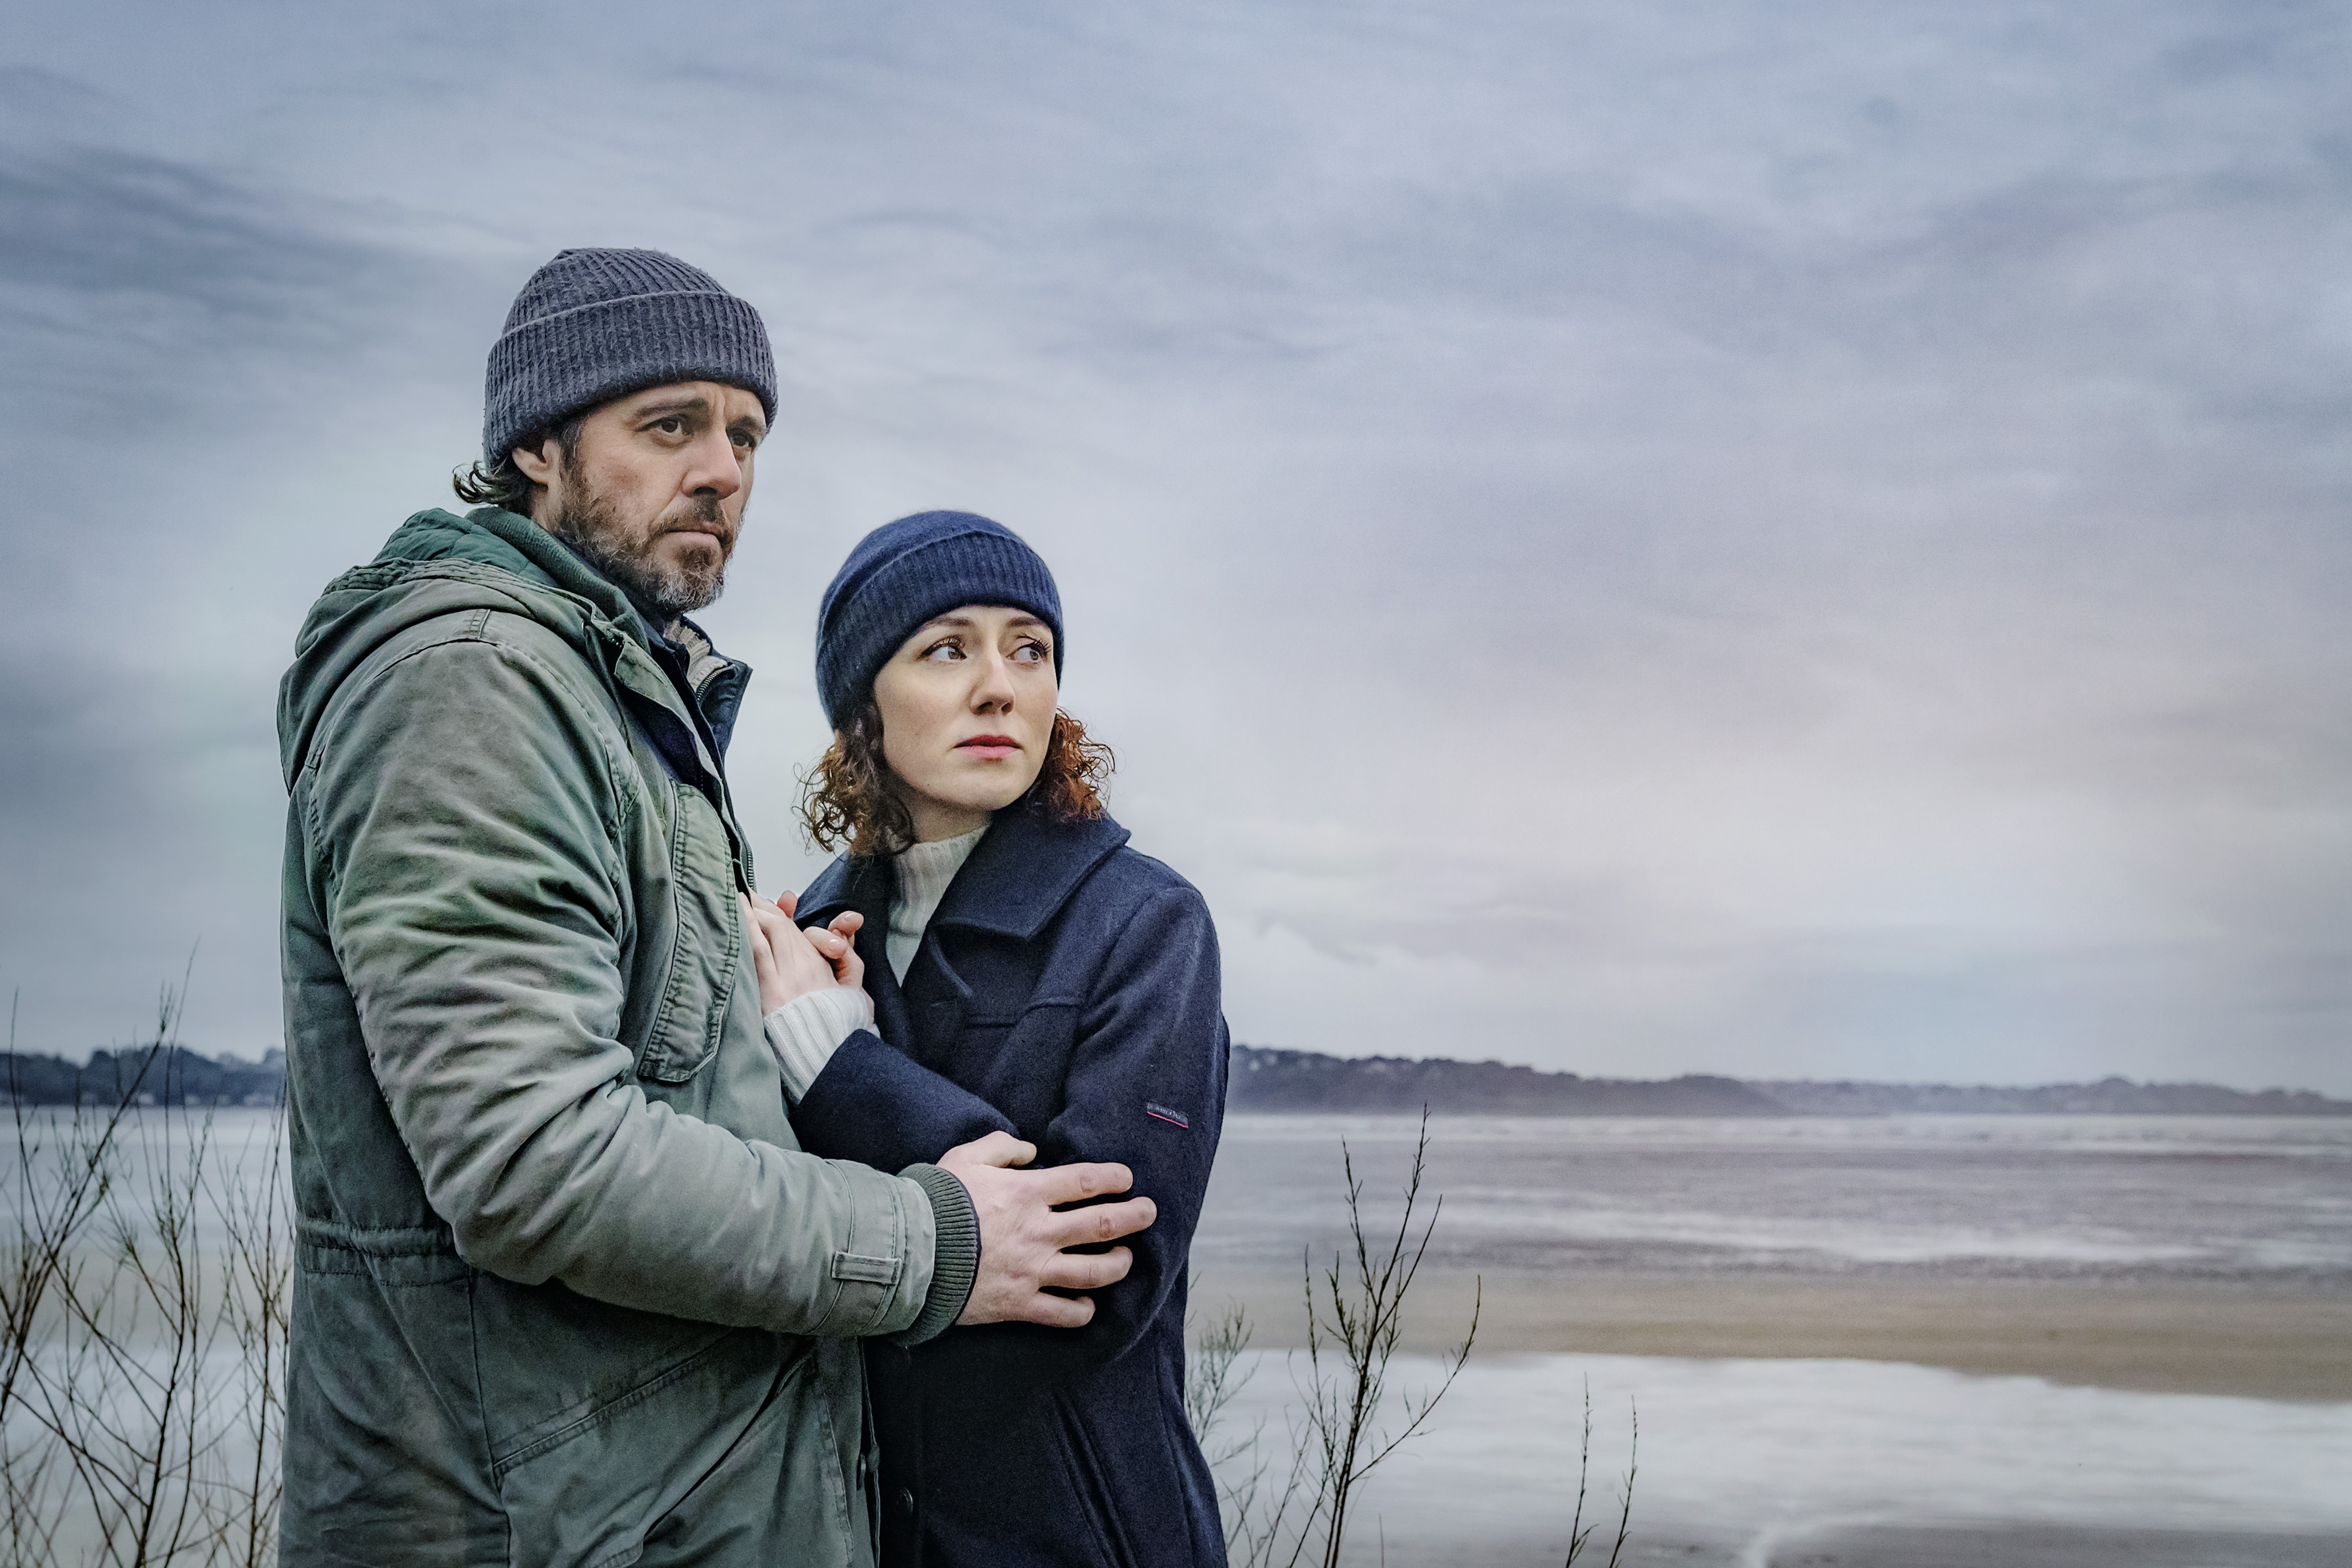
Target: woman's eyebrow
967	622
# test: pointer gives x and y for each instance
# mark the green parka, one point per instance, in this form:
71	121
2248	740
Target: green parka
567	1291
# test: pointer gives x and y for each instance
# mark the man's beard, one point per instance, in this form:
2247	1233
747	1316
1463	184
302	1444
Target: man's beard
624	556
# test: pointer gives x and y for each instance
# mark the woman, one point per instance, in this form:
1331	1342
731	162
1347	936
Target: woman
1030	974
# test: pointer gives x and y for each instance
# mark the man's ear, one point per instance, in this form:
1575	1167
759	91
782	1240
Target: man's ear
539	466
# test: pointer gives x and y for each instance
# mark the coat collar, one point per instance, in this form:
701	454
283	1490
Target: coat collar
851	882
1020	874
1023	871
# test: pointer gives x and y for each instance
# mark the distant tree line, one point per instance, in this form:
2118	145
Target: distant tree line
1264	1080
169	1075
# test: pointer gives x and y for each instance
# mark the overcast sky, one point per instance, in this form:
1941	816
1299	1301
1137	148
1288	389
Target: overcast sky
1789	539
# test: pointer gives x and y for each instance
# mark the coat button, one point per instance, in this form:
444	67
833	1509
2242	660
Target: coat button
906	1500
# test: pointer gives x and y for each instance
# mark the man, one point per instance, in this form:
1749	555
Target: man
568	1292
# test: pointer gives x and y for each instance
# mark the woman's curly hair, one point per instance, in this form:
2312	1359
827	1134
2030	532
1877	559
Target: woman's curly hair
848	798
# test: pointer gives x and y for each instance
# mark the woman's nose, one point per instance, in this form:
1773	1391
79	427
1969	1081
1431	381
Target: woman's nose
994	689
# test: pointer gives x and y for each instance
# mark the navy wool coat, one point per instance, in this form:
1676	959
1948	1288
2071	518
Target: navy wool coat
1066	991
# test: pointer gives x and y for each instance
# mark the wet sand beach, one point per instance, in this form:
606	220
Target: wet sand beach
2250	1339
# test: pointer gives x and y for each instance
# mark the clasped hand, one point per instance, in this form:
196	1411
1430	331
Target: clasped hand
791	962
1024	1233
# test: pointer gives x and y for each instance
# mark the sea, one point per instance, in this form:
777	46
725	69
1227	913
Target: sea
1773	1463
2118	1198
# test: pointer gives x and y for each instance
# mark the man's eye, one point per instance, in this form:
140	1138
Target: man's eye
673	425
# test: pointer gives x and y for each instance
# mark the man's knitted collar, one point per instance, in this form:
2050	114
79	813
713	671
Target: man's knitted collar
691	643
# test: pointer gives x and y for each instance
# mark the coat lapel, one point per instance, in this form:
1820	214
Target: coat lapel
1022	872
1017	879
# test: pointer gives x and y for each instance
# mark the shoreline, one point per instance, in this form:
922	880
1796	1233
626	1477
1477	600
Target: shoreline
2247	1340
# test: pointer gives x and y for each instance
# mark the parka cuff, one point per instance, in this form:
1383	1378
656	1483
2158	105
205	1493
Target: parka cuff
955	1258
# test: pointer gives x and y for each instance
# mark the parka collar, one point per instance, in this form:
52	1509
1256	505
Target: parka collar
711	684
560	564
1023	871
438	562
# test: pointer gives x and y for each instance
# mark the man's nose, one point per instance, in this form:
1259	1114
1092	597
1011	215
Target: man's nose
712	466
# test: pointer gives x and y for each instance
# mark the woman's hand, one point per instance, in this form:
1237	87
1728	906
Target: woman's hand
787	965
836	945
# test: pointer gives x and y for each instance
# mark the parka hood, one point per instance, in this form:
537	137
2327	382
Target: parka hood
437	564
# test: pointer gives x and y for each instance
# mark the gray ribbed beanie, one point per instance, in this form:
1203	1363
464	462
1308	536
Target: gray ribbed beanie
901	575
593	325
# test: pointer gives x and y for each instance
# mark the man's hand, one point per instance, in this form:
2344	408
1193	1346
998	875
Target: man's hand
1021	1238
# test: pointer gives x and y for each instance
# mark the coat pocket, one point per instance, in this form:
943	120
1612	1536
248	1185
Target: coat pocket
705	943
1023	1070
728	1456
1093	1491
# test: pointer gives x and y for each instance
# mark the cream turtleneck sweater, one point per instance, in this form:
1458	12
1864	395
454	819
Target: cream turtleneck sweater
806	1031
924	873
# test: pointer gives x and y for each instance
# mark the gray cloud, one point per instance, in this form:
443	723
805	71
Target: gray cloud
1780	540
118	264
102	222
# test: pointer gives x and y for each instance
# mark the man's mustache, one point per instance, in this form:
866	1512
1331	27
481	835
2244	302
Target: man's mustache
706	517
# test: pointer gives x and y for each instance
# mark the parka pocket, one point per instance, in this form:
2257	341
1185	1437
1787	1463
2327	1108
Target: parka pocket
705	943
718	1458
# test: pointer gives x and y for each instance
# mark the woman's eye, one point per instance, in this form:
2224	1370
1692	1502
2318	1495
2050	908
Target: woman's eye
1030	653
942	652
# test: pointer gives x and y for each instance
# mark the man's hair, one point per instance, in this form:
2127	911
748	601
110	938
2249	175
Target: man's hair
847	799
504	485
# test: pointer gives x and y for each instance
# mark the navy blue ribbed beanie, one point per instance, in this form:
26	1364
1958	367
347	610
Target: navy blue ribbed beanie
901	575
593	325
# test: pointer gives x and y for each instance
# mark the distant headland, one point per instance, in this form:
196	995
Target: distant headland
1307	1081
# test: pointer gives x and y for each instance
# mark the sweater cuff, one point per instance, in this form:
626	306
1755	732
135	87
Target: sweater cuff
804	1033
955	1257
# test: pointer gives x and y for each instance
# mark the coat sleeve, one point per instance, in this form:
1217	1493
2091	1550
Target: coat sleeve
465	811
1147	1089
874	1104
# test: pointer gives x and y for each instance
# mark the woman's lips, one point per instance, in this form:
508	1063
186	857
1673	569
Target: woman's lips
990	745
